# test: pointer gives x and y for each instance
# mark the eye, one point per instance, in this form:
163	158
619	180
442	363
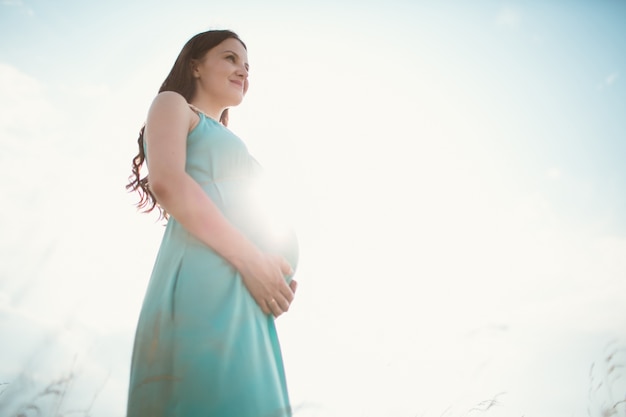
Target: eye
231	58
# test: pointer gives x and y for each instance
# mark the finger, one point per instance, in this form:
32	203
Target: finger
287	292
294	286
285	268
282	303
274	307
265	308
282	307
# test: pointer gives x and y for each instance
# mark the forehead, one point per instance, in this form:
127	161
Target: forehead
233	45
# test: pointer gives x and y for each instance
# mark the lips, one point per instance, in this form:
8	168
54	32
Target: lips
237	83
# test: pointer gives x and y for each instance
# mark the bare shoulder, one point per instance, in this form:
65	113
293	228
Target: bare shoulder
169	100
171	107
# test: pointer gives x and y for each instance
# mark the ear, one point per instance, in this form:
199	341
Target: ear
193	64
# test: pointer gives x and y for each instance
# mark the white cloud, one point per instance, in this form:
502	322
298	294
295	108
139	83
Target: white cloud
610	79
554	173
19	4
23	102
509	17
94	91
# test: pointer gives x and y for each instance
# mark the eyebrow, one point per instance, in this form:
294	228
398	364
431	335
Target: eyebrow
236	55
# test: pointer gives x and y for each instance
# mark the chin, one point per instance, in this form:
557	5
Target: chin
236	101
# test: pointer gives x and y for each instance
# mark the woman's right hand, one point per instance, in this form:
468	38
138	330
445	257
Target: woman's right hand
264	277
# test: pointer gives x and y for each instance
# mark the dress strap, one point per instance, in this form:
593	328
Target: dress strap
197	110
200	112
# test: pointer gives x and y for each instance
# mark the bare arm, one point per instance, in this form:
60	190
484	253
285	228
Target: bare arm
169	121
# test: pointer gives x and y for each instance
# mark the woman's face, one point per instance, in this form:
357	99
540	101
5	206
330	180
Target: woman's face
222	75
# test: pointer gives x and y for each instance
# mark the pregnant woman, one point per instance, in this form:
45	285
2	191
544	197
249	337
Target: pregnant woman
206	342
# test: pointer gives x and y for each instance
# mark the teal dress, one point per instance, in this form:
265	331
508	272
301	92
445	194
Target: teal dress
203	347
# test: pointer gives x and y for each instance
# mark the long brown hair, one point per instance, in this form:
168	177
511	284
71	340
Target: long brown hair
180	79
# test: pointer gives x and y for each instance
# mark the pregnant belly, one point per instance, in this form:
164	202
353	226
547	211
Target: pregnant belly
252	212
271	237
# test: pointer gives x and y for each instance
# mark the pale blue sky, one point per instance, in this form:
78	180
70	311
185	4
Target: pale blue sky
455	172
550	75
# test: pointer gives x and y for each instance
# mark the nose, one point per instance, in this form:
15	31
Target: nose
242	72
